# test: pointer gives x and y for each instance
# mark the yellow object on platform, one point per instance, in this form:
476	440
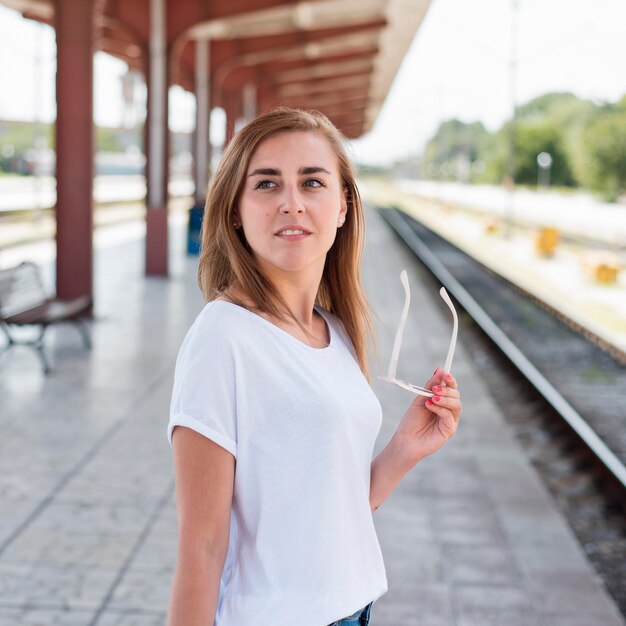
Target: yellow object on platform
546	240
602	266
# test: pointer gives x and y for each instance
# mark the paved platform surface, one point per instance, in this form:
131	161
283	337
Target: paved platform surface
88	527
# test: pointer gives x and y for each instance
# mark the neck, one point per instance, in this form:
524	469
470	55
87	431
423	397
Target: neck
299	290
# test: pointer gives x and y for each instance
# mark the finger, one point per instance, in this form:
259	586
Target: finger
449	392
452	404
434	379
449	380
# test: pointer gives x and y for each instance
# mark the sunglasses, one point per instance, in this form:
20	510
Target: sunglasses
393	363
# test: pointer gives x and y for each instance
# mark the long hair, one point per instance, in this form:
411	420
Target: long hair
226	259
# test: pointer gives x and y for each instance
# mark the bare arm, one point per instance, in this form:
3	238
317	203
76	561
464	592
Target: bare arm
387	470
205	475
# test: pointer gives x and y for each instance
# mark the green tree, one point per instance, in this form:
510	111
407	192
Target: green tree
545	106
553	123
454	142
604	148
531	138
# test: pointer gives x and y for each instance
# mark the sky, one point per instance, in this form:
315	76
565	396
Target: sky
458	65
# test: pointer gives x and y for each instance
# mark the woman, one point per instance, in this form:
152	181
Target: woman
274	418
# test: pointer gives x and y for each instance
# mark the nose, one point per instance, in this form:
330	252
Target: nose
291	201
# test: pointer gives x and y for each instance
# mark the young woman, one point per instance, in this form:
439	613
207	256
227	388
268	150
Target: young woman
273	415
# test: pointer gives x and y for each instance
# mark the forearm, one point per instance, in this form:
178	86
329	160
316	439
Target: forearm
387	470
195	590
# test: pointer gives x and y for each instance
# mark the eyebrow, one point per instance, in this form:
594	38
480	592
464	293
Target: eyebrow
271	171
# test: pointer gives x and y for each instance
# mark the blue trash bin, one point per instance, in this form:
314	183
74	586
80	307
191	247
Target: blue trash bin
194	228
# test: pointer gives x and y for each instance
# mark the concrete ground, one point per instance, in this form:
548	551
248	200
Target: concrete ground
88	524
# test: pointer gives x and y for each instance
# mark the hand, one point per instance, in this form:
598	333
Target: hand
428	423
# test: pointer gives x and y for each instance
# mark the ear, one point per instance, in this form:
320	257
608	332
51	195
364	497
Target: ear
344	201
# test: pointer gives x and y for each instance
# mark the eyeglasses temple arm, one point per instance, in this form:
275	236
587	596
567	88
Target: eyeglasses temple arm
455	328
395	353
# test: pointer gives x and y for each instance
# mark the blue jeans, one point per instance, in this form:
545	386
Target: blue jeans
360	618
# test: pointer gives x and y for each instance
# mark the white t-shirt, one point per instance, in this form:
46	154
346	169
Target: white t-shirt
301	423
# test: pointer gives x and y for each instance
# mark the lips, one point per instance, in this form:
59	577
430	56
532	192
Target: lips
306	231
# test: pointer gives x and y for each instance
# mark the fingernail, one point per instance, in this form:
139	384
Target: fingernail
429	401
437	388
435	371
436	398
448	377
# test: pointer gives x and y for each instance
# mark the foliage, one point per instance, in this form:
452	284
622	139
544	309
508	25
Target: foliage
21	135
455	145
532	138
604	143
586	140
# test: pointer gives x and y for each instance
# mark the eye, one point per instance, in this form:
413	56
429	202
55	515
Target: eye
315	180
262	184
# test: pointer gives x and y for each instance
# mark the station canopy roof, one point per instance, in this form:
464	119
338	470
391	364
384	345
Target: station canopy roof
338	56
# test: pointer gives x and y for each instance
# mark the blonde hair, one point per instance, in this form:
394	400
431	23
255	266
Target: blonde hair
225	257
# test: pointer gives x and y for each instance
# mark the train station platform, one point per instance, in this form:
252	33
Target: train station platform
470	537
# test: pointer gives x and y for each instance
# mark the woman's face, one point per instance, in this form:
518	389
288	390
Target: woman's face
292	181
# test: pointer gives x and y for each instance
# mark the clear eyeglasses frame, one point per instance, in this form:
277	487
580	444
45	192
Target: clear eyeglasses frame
397	344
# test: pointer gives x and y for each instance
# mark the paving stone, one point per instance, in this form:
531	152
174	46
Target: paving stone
65	587
93	488
426	604
512	598
44	617
14	513
580	618
130	618
92	519
488	564
143	587
576	590
466	519
60	548
478	617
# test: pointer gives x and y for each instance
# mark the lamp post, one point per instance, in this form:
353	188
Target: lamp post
544	163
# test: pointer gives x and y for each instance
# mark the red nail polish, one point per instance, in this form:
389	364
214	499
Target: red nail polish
436	398
437	388
429	401
435	371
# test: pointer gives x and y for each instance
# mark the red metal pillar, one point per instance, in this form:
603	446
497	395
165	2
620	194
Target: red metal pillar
74	22
157	139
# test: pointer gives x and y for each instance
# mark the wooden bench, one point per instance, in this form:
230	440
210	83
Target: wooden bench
24	302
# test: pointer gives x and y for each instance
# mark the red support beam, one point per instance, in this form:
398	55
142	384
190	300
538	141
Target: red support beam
157	143
74	25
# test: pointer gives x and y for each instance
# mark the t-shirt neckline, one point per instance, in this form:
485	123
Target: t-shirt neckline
284	333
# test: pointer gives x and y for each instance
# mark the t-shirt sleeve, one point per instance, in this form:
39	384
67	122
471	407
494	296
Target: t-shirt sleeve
204	391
